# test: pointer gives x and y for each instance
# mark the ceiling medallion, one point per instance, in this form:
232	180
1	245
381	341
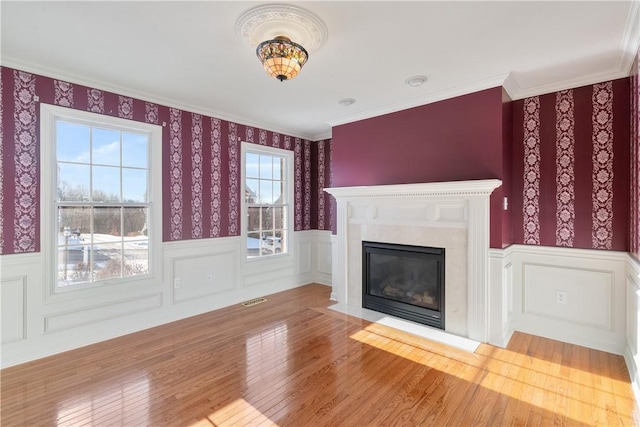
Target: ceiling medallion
284	36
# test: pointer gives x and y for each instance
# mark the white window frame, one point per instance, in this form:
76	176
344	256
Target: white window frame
48	189
248	147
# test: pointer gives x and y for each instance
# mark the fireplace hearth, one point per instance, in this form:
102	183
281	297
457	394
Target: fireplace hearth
404	281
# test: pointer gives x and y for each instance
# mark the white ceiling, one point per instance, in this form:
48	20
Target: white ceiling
187	54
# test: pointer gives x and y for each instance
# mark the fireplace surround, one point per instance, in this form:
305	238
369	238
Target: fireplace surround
451	215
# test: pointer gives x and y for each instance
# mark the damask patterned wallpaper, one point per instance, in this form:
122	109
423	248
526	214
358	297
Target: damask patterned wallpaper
201	162
634	223
571	168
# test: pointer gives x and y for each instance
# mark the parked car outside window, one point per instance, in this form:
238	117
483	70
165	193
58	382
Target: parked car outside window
272	244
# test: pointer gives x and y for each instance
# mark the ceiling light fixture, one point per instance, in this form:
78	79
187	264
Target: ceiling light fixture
272	28
282	58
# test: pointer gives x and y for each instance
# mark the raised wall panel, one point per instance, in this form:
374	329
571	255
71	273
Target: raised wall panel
324	257
13	309
304	258
633	317
589	294
590	310
198	276
111	310
508	273
451	212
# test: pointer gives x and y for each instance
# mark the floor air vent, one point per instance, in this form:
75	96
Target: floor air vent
253	302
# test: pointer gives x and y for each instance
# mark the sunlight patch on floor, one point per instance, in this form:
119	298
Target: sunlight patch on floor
222	416
409	327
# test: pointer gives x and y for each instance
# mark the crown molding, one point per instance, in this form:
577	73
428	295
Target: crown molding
631	38
322	136
517	92
478	187
429	98
125	91
511	85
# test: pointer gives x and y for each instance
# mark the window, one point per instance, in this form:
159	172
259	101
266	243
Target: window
103	219
267	201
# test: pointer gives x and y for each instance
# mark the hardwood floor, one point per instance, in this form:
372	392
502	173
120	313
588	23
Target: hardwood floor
292	362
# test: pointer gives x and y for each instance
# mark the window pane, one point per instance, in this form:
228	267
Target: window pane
106	224
251	193
268	243
277	192
278	217
134	150
267	219
253	219
266	167
266	192
134	221
73	182
282	236
74	225
72	142
105	147
277	168
107	261
252	165
80	269
253	244
73	265
136	258
106	184
135	185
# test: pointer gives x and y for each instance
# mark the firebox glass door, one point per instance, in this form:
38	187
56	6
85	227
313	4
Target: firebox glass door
405	278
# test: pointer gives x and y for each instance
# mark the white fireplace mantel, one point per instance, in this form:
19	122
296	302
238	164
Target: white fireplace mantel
416	210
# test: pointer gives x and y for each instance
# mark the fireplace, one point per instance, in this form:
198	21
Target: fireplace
450	215
404	281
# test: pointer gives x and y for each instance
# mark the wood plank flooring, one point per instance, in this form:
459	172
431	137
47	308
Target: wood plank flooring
292	362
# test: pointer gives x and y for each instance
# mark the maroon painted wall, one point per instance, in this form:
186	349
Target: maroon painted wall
571	168
200	161
507	167
452	140
634	217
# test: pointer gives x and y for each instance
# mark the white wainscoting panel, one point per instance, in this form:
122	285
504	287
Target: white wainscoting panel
14	310
213	273
590	309
324	258
304	258
313	257
569	294
631	354
103	312
207	274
